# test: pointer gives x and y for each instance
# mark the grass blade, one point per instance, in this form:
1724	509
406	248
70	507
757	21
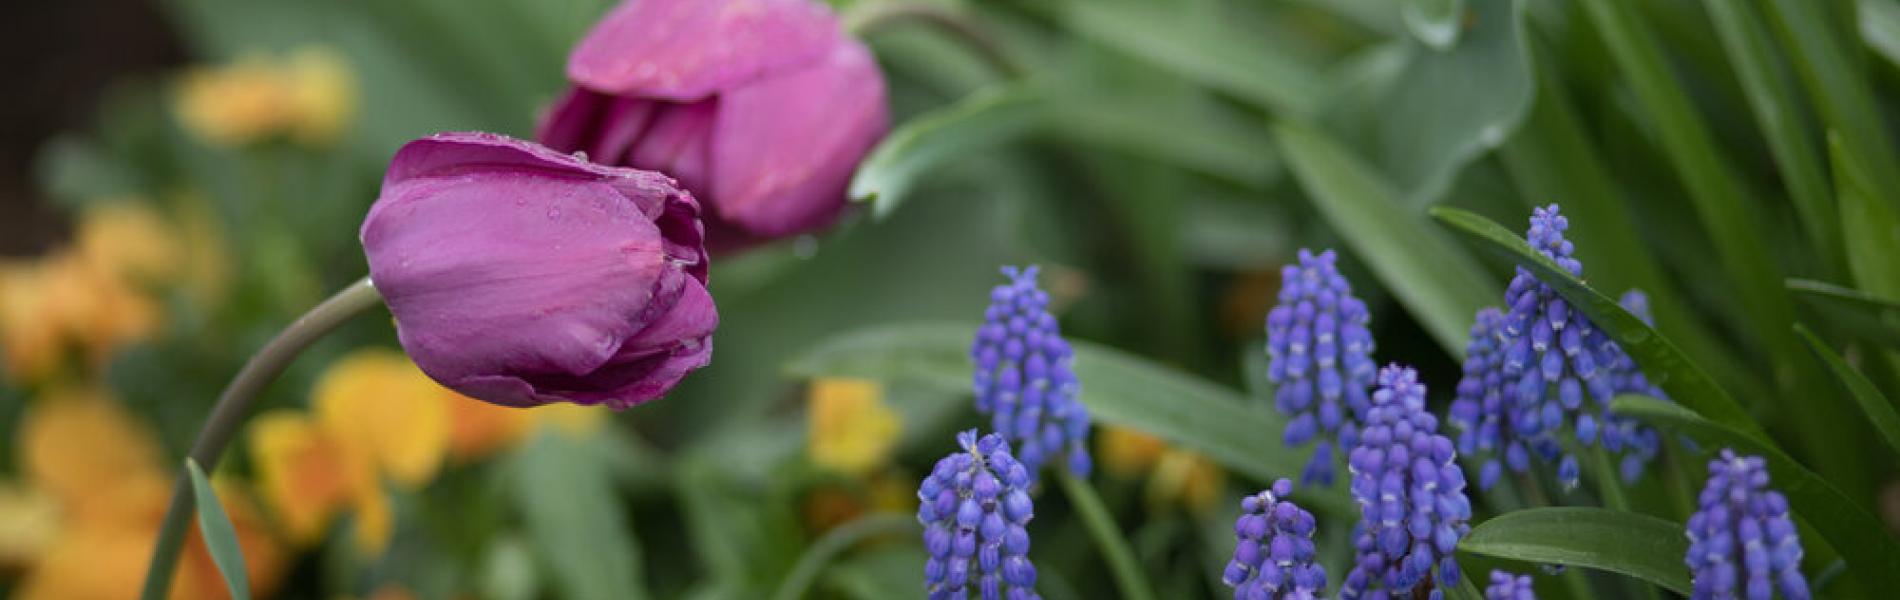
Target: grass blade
1879	411
220	537
1869	227
1859	537
1108	538
1661	360
1636	545
1438	282
835	542
1867	316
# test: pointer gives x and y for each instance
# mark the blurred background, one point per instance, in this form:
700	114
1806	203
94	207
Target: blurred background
181	178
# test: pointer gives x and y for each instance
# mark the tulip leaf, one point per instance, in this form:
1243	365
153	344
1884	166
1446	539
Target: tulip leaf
1628	543
1437	281
1661	360
1880	27
575	523
1451	105
1847	526
219	536
1879	411
1119	389
1436	23
1201	48
1865	315
974	124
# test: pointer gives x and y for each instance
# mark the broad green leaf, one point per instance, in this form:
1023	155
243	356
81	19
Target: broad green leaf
1119	389
1864	315
1215	53
220	537
1778	113
1632	544
1879	411
889	572
563	490
1871	553
1206	137
835	542
1869	227
1452	105
1129	579
1661	360
974	124
1437	281
1880	27
1436	23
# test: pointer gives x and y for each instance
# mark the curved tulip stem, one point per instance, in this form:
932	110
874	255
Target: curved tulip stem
262	368
871	17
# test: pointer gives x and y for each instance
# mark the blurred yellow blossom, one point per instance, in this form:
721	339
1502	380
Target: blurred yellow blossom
29	522
849	428
309	95
376	400
1173	475
101	468
128	238
305	474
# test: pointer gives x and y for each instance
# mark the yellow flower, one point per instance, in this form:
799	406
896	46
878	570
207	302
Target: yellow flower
850	429
375	399
1126	452
304	473
128	239
1173	475
478	429
59	304
101	468
310	95
29	523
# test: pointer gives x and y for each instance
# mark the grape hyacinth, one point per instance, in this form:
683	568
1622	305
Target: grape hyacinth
1507	586
1273	551
1411	496
1320	354
974	506
1638	443
1741	535
1024	379
1483	413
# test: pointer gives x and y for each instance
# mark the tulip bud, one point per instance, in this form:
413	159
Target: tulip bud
522	276
762	108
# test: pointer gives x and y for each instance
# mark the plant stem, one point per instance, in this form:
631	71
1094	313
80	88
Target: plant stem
1108	538
839	539
262	368
870	17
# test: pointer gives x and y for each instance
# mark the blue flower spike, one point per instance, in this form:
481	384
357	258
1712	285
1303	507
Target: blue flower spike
1320	352
974	507
1025	379
1273	549
1742	542
1411	497
1509	586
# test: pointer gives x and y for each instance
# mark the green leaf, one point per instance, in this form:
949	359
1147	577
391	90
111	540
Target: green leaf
1438	282
1450	106
1823	50
1204	136
1207	50
972	125
1865	315
220	537
1119	389
1869	227
1880	27
1122	565
1632	544
1879	411
893	571
835	542
564	491
1436	23
1661	360
1872	555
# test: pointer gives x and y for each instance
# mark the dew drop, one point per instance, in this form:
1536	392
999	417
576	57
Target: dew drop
554	213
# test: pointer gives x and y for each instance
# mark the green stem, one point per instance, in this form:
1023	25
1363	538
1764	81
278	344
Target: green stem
1108	537
871	17
263	367
836	541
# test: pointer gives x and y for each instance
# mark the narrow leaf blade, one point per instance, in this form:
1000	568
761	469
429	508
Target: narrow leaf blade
1632	544
220	537
1867	316
1879	411
574	521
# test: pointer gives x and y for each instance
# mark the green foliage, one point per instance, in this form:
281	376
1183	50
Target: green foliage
1636	545
220	537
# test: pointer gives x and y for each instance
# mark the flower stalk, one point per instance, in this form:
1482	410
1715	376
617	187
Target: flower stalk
234	404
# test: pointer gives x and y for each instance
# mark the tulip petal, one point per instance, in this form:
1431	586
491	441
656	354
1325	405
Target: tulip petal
784	147
685	50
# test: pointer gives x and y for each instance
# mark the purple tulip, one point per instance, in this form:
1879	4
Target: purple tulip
524	276
761	107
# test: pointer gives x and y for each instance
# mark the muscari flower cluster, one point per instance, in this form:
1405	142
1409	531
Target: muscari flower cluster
1411	496
1320	354
1507	586
1024	379
974	506
1741	541
1530	369
1273	551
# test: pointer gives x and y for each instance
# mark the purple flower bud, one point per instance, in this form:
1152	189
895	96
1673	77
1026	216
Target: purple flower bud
1273	550
522	276
1741	529
985	531
762	108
